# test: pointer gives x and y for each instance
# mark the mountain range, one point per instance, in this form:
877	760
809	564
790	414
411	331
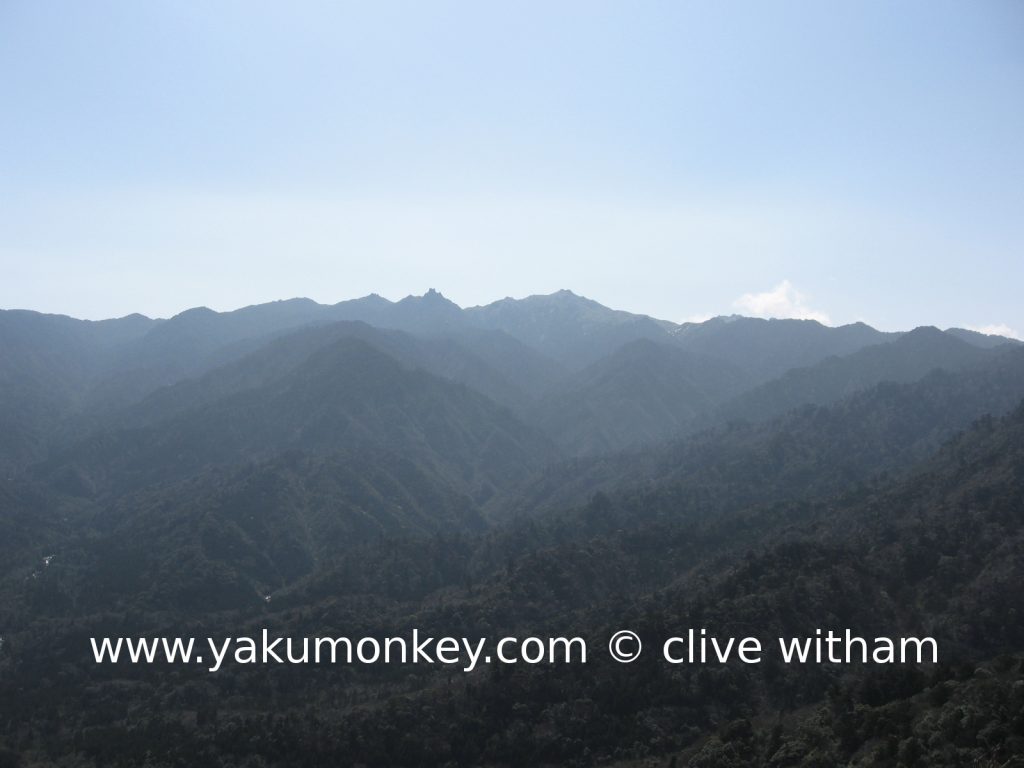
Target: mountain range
57	373
537	465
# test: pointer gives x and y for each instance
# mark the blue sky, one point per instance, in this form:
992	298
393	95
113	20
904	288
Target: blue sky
847	161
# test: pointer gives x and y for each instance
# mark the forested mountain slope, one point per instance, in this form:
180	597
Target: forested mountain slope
907	358
884	428
371	467
346	396
766	349
934	552
643	392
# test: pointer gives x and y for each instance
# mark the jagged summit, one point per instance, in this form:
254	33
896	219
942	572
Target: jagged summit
432	296
565	293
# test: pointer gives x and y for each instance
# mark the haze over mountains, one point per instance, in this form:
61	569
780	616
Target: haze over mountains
652	376
489	412
527	466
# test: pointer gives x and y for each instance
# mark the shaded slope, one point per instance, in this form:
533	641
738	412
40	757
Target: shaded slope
571	329
907	358
229	536
937	551
47	364
345	396
812	449
643	392
768	348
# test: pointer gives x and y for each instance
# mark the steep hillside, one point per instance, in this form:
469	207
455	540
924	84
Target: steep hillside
642	393
571	329
937	552
766	349
812	449
346	396
907	358
47	365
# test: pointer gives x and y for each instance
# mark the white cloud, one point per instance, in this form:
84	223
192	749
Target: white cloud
995	329
782	301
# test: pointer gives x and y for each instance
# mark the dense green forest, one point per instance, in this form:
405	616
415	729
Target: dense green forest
543	467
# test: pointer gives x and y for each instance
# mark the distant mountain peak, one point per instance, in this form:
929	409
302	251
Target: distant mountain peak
568	297
929	333
433	294
373	299
197	312
432	298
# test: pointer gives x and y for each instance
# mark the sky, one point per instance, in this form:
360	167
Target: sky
841	161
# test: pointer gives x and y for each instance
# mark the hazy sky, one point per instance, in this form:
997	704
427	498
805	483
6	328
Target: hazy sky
844	161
